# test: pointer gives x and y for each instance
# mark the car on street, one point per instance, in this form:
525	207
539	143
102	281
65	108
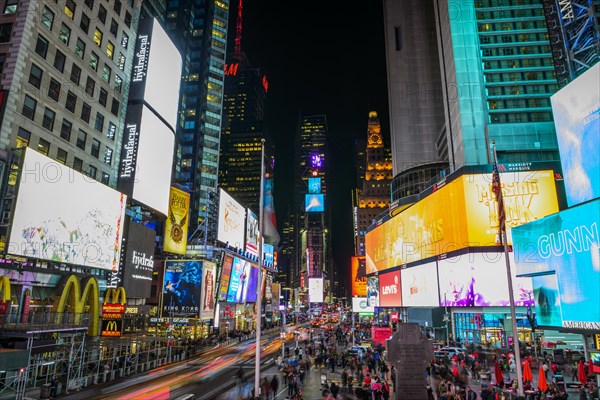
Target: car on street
452	351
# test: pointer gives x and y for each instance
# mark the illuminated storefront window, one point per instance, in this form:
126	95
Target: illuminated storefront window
491	330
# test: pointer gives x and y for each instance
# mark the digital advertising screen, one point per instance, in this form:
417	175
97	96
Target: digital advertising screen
314	185
156	74
252	232
576	111
182	287
238	283
441	222
250	291
315	203
207	296
373	291
390	292
139	260
64	216
225	277
420	286
479	280
176	225
361	305
568	245
547	300
315	290
269	255
232	215
146	160
358	276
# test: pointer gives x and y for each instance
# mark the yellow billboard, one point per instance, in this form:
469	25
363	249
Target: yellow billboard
358	277
463	213
176	227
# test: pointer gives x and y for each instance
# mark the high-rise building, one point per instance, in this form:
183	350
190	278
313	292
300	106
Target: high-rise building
199	30
498	74
372	198
65	71
154	9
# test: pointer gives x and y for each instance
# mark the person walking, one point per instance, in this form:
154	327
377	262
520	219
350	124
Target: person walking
274	386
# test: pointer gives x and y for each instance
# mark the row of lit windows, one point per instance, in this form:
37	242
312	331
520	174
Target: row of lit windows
514	38
504	3
511	26
544	90
508	118
517	50
520	76
520	63
519	103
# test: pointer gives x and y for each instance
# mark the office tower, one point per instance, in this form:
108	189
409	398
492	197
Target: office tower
154	9
498	74
310	158
359	146
372	197
65	73
199	30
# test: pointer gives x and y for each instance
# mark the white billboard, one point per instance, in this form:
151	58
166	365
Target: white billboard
361	305
64	216
420	286
146	158
232	216
315	290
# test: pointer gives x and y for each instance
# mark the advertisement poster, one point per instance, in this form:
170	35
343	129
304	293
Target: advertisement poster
390	292
182	287
232	216
547	300
314	185
250	290
225	277
314	203
238	283
64	216
176	225
373	291
361	305
139	261
252	232
315	290
420	286
358	277
207	296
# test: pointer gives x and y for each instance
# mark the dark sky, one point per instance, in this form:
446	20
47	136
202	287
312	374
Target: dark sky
320	57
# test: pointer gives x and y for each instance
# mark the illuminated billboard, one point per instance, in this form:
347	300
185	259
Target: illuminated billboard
252	232
479	280
269	255
314	185
139	260
576	110
176	225
231	227
207	295
547	300
361	305
243	281
146	160
390	292
568	245
64	216
420	286
315	290
250	291
441	222
314	203
373	291
358	276
181	290
156	73
225	277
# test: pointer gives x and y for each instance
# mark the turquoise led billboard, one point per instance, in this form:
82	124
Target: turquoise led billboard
315	203
314	185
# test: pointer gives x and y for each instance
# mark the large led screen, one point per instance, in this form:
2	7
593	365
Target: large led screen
420	286
373	291
250	291
576	110
441	222
314	203
231	227
315	290
269	255
146	158
252	233
479	280
176	225
225	277
547	300
64	216
568	245
361	305
181	290
139	261
390	292
207	295
156	73
358	276
241	278
314	185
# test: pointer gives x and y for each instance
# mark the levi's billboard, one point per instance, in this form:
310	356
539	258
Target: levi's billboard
442	222
390	292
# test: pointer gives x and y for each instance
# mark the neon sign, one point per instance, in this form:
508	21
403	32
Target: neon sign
265	83
316	161
231	69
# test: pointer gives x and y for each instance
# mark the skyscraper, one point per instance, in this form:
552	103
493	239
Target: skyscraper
199	29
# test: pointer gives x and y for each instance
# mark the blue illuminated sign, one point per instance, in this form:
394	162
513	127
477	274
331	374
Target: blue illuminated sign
315	203
314	185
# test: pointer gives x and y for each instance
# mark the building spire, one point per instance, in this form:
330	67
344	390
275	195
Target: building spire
238	30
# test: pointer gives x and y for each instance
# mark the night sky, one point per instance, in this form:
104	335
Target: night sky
320	57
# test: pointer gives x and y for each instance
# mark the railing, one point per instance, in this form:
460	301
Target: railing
42	321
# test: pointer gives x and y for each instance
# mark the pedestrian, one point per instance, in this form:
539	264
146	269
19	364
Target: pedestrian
290	383
274	386
53	386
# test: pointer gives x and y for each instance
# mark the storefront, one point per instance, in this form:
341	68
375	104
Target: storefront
490	329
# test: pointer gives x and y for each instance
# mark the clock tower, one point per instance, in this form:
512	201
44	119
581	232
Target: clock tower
374	132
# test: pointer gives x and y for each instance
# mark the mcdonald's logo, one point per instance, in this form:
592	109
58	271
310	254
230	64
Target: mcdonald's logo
78	301
115	296
5	288
111	328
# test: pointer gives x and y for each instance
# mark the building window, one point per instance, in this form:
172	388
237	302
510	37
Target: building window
98	37
10	7
41	46
59	60
75	74
23	137
77	164
29	106
95	148
89	3
47	18
48	120
80	48
5	32
114	27
65	130
112	131
110	49
92	171
2	60
108	154
106	72
70	8
35	76
127	19
121	62
99	125
54	89
61	156
84	24
90	86
102	14
124	40
81	139
86	112
94	61
103	97
43	147
117	7
114	108
105	178
118	83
